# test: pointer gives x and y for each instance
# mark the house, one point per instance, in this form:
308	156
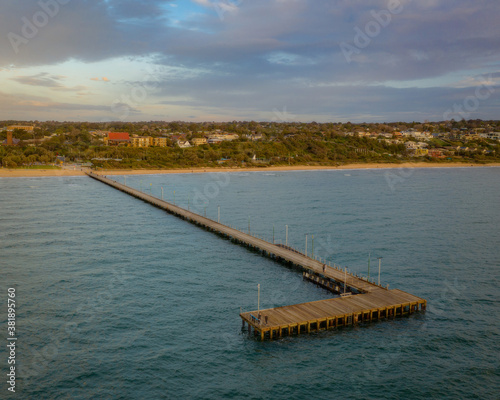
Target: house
231	136
491	135
98	133
420	152
255	136
221	137
411	145
199	141
436	153
183	144
117	139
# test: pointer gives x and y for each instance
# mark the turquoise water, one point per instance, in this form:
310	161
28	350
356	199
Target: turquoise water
119	300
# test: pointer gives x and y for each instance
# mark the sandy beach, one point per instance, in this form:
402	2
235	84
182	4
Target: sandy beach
18	173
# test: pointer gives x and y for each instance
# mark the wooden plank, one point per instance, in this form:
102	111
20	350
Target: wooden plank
321	310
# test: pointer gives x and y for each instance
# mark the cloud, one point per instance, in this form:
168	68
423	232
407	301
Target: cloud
45	79
267	54
425	39
41	79
26	107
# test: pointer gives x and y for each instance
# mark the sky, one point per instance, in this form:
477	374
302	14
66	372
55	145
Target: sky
262	60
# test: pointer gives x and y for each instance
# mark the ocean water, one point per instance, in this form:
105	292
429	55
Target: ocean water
118	300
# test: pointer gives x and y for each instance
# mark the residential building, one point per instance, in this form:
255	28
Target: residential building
228	137
198	141
117	139
141	141
436	153
491	135
255	136
420	152
411	145
183	144
27	128
98	133
160	141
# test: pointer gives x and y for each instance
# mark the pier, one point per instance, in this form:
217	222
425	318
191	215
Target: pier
360	301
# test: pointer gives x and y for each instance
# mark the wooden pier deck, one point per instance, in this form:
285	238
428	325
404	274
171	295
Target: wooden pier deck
367	297
332	313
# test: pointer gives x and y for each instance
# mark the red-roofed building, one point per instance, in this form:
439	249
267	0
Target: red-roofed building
117	139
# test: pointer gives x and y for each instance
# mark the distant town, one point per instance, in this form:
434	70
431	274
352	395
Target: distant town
156	144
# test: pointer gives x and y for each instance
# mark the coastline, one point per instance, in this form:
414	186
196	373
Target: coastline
30	173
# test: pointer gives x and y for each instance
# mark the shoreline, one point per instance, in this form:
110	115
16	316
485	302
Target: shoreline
30	173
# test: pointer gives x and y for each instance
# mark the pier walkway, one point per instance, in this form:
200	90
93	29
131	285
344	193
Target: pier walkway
363	297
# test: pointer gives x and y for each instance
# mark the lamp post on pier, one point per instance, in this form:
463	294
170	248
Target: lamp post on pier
258	298
312	246
369	254
379	262
345	279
